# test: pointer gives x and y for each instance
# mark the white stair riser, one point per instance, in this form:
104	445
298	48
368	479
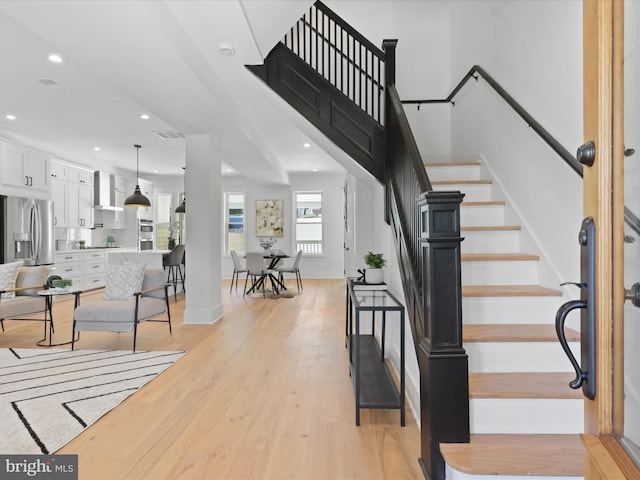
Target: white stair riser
492	241
512	272
472	193
486	357
490	415
519	310
478	216
469	172
453	474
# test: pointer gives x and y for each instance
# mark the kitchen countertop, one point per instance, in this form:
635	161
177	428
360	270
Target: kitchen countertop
99	249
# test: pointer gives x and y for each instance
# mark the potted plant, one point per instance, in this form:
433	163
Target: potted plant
61	283
375	262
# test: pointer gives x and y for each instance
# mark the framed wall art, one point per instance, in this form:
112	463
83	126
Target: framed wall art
269	221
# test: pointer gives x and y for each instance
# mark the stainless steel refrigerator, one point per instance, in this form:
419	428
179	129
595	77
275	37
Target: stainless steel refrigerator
27	230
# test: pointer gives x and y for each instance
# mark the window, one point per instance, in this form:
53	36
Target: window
234	222
309	222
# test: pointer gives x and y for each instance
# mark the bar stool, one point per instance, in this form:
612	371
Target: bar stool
175	260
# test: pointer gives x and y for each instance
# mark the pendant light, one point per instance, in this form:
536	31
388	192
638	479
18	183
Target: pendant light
182	207
137	199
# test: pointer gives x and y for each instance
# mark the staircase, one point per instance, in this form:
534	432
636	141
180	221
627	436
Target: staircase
525	420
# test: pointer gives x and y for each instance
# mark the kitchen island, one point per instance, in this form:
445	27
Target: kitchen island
151	258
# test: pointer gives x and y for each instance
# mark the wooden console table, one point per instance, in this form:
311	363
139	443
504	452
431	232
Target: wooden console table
373	384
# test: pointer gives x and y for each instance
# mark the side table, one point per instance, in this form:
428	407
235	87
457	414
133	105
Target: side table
373	384
49	294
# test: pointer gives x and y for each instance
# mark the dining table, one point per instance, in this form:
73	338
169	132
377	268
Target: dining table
273	258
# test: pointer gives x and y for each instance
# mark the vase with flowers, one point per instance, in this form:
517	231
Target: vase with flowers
267	244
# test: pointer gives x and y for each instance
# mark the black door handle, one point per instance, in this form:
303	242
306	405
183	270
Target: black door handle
586	370
564	310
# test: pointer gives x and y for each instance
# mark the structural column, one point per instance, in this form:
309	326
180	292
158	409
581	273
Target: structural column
444	371
203	298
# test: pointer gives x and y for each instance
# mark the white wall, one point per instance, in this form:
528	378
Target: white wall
328	265
534	50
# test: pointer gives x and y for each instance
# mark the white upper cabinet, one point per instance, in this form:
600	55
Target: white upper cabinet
80	175
72	195
24	172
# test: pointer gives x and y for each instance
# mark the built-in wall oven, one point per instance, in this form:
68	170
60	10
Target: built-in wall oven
146	234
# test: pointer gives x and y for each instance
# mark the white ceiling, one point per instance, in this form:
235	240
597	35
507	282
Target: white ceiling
162	58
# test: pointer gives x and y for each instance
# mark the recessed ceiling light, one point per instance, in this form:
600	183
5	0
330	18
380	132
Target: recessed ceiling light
226	49
315	169
306	145
144	116
156	171
11	117
55	58
97	149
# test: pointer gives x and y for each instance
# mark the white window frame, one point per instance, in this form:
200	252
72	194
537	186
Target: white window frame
322	251
225	220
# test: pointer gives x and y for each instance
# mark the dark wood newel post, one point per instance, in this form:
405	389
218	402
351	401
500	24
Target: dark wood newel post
444	373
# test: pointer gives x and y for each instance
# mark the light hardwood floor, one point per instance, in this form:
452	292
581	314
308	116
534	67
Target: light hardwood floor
262	394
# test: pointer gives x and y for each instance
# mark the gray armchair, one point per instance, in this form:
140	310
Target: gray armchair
124	315
24	300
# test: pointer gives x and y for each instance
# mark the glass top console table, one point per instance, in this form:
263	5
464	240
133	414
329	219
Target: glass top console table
373	384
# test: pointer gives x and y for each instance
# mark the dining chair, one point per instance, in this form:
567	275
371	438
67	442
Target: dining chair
294	268
259	274
174	260
238	268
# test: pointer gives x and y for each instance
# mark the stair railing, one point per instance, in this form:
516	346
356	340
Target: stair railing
426	225
345	58
475	72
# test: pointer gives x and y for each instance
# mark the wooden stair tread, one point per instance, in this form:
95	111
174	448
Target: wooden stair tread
491	228
498	257
461	182
532	385
509	291
483	204
517	455
515	333
451	164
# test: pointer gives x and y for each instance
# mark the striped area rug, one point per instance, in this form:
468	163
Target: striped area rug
48	397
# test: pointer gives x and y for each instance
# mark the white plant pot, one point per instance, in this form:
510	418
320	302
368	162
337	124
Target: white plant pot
374	275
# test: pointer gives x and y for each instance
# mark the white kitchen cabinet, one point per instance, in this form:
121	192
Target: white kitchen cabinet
59	170
82	176
25	169
72	195
94	269
60	196
87	269
119	184
69	265
80	201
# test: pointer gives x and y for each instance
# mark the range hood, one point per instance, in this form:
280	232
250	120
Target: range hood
103	192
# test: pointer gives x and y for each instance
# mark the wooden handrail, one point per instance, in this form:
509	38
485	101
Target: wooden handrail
349	29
